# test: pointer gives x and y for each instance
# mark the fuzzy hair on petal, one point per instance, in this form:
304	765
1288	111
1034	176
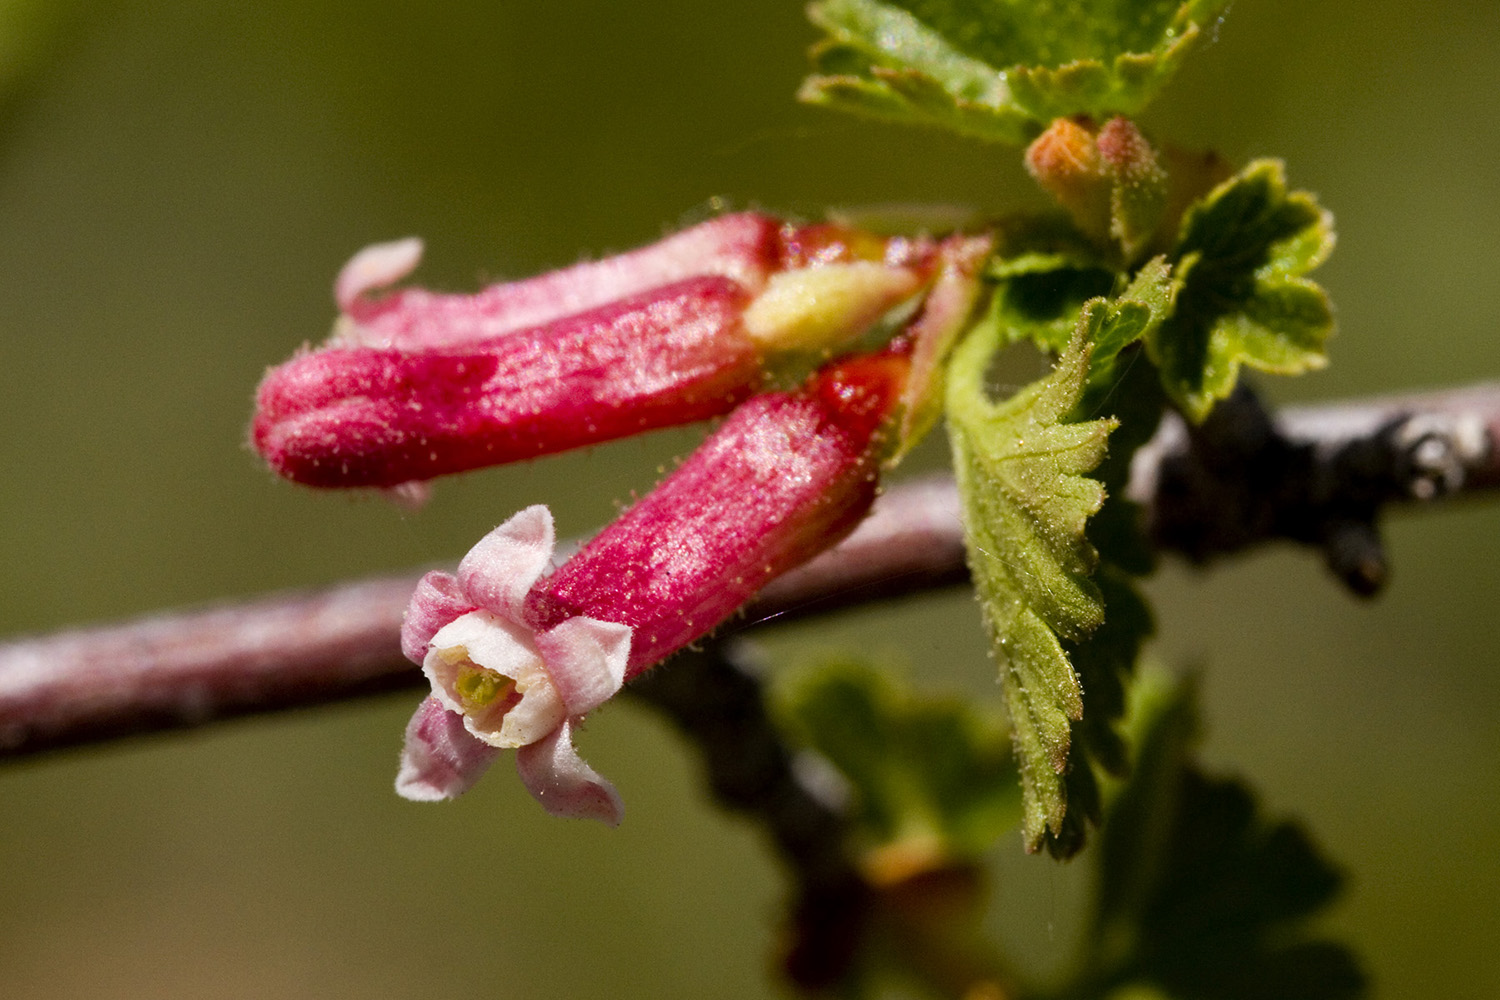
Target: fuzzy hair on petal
440	759
586	660
558	778
500	570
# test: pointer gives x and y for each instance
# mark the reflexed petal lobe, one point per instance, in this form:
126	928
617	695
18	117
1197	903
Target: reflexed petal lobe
376	267
440	760
586	659
558	778
437	601
501	568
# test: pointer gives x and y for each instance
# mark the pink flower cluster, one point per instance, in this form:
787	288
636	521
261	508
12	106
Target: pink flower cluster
415	384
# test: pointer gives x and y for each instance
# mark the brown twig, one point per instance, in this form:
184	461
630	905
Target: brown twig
194	667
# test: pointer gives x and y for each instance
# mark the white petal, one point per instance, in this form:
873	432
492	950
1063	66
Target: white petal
558	778
485	639
586	660
376	266
500	570
440	760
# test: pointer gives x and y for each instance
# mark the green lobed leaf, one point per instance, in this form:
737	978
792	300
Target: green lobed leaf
1021	472
1043	242
1123	385
999	69
1135	313
1042	307
1241	255
1199	896
880	61
933	771
1046	275
1021	467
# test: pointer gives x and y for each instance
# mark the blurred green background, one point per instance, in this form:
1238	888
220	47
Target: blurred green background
179	183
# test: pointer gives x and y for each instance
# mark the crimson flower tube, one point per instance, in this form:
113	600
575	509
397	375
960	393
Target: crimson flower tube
417	385
516	658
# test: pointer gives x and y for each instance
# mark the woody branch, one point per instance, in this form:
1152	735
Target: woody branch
1318	475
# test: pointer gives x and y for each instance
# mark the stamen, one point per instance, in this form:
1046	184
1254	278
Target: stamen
478	687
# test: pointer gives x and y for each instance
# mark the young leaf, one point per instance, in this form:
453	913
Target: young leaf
880	61
931	773
1199	895
1042	289
1021	473
1043	242
1126	387
1134	314
1241	254
999	69
1042	307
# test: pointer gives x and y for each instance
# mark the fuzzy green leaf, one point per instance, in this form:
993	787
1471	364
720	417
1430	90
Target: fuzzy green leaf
879	60
1021	471
1123	385
999	69
1042	307
1241	255
1043	242
933	771
1046	306
1136	312
1044	282
1199	895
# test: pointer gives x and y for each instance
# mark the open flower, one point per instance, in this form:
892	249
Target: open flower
516	659
511	686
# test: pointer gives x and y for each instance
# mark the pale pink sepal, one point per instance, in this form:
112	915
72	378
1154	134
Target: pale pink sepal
558	778
586	659
501	568
440	759
375	267
437	601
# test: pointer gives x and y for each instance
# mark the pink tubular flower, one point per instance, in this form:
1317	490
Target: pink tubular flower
363	416
417	385
744	248
516	659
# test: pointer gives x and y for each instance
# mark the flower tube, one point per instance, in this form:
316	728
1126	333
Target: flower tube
361	416
748	248
429	396
745	248
516	659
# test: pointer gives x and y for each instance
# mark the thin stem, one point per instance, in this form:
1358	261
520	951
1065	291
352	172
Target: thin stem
1335	467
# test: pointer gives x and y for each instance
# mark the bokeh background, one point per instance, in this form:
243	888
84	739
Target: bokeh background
180	181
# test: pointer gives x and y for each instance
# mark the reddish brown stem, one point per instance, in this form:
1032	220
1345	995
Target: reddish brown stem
189	668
